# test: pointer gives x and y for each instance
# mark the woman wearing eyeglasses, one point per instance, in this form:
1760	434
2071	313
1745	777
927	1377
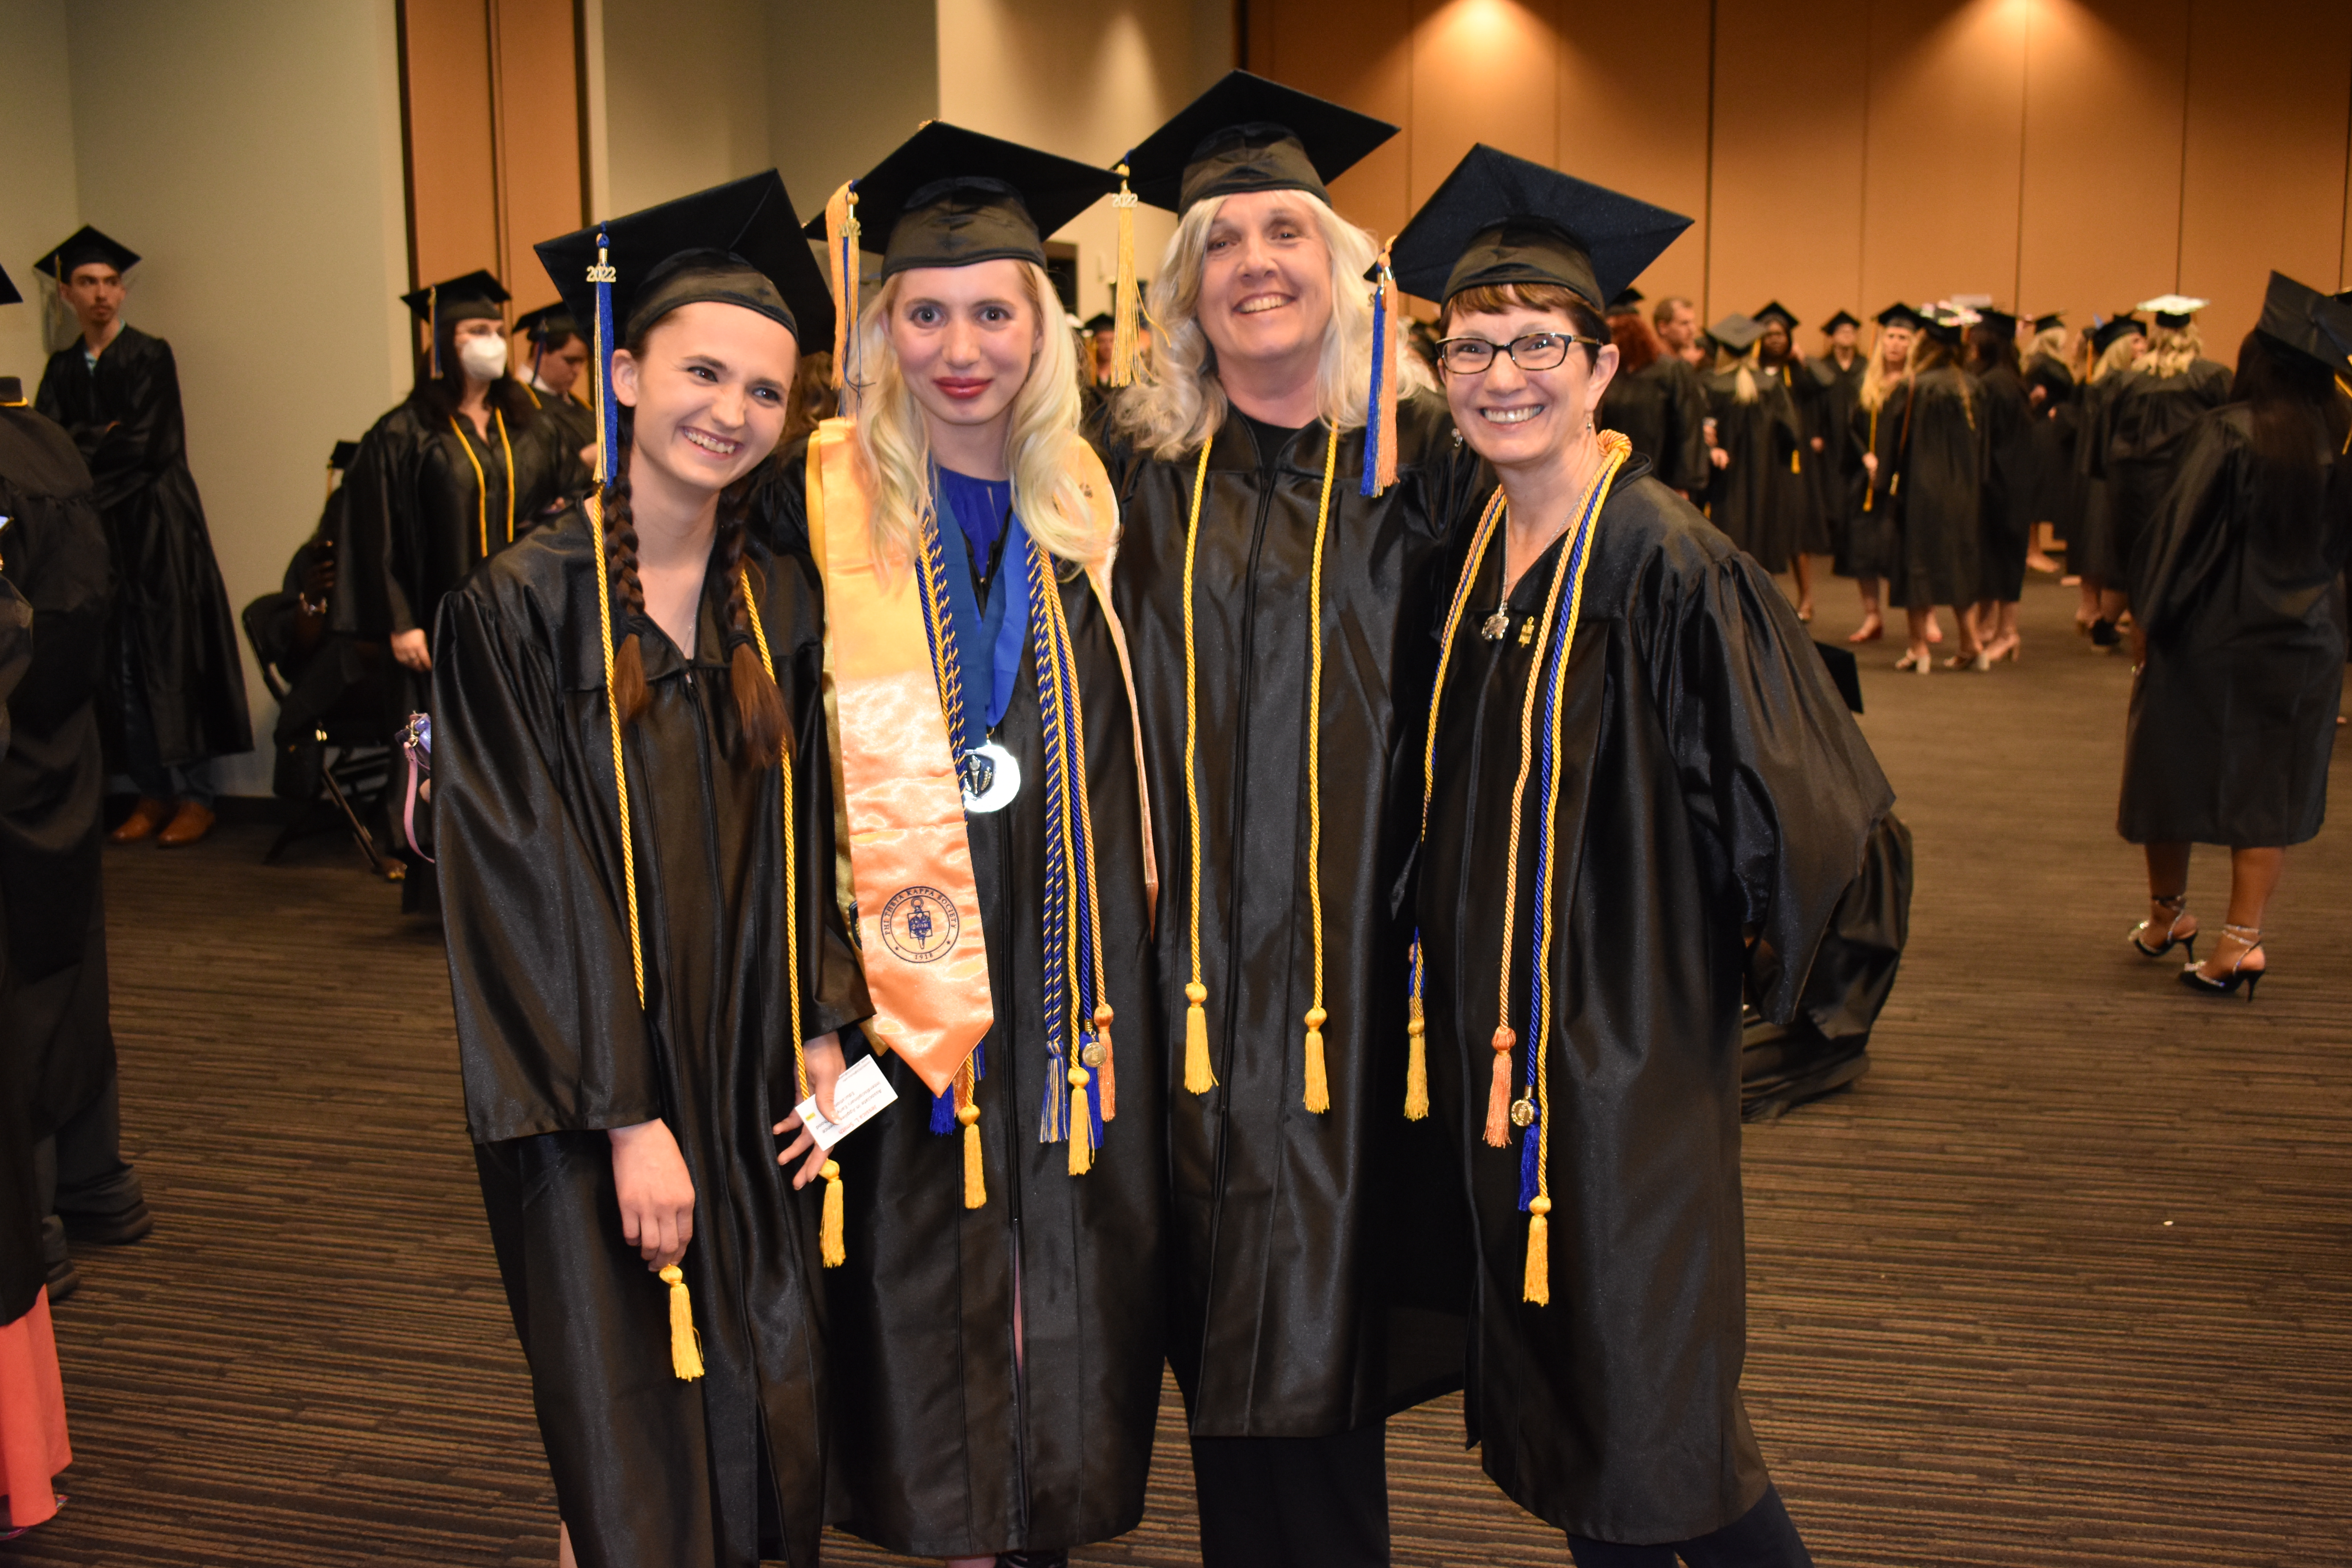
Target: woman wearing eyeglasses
1631	761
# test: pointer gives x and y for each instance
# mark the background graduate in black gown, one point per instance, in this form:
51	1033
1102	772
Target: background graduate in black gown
2142	424
997	1331
1938	483
2050	390
1656	400
1778	358
556	352
1275	703
2011	490
1835	377
1633	755
2234	713
636	958
2116	346
1874	437
174	697
1757	499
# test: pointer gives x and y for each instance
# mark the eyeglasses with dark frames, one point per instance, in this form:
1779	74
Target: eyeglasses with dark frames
1529	350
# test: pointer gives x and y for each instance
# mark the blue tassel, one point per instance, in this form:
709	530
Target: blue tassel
602	274
943	1112
1371	407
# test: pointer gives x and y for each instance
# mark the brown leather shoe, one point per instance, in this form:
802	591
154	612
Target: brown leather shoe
188	824
144	819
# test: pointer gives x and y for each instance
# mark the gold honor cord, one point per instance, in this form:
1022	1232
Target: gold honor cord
482	483
1198	1077
830	1230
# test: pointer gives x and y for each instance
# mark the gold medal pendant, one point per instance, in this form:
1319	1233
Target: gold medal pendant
1494	625
1523	1113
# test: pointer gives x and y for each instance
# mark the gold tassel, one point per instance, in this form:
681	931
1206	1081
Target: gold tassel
1082	1125
829	1240
1198	1076
1416	1067
1106	1073
1538	1287
1126	302
1384	471
840	226
685	1344
975	1181
1499	1097
1318	1082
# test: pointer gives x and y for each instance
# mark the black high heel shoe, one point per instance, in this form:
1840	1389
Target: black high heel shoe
2239	974
2177	905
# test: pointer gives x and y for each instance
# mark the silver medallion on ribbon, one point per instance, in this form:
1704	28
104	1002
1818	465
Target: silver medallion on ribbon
991	777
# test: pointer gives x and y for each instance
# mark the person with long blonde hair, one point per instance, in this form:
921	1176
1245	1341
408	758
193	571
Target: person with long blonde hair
997	1324
1939	473
1275	581
2115	348
2139	438
1876	435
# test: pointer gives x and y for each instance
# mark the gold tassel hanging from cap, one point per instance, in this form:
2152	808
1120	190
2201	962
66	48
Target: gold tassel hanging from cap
1318	1079
1537	1289
976	1177
830	1246
685	1344
1127	302
1082	1124
841	240
1416	1059
1199	1079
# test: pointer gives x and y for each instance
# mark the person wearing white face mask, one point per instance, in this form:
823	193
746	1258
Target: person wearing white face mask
461	469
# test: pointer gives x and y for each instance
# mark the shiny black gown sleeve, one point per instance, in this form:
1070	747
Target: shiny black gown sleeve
551	1035
378	490
1780	786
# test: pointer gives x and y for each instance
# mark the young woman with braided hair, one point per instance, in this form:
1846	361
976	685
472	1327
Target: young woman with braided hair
636	833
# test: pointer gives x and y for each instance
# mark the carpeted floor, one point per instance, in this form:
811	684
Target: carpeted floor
2064	1281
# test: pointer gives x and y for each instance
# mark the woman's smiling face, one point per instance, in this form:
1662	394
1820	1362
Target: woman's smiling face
1515	417
965	338
1265	280
710	389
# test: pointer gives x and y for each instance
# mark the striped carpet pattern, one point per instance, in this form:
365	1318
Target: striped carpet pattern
2064	1281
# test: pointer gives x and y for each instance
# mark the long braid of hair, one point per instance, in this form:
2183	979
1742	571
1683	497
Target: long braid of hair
759	706
629	693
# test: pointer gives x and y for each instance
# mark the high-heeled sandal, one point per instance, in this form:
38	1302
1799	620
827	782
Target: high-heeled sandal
2251	937
2178	904
1924	663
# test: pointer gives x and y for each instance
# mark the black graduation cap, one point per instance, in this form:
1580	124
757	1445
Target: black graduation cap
2105	337
1845	673
739	244
1780	312
340	458
475	297
2055	318
1737	333
86	246
8	295
549	324
1100	321
2304	321
2000	322
1842	318
1944	324
947	196
1248	133
1626	301
1901	315
1497	220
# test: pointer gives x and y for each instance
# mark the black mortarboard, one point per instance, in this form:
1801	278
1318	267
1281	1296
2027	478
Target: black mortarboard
8	295
1738	334
1845	673
2305	322
2105	337
947	196
549	324
1626	301
340	458
1842	318
1248	133
88	245
475	297
1901	315
1944	325
737	243
1497	220
2055	318
1100	321
2000	322
1776	310
2173	309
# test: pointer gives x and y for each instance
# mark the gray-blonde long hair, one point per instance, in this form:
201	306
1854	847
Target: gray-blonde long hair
1177	403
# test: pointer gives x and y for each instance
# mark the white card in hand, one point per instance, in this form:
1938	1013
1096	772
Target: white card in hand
858	1096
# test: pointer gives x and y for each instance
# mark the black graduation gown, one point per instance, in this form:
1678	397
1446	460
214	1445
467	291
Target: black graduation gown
2233	715
2140	442
1821	503
1760	501
649	1471
1939	516
1711	777
415	520
947	1446
1303	1302
125	417
2058	488
339	683
22	1264
1869	549
1661	409
57	1043
2011	489
576	422
2092	552
1837	467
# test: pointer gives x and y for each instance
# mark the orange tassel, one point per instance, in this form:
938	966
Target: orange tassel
840	253
1106	1074
1384	473
1416	1067
1499	1097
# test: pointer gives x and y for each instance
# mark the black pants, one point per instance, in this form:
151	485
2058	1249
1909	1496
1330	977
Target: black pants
80	1173
1293	1502
1763	1537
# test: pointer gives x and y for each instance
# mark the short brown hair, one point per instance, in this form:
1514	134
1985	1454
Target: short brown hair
1492	299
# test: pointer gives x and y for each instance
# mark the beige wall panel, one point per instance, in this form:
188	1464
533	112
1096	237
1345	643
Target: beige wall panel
1367	65
38	206
1789	102
540	127
682	115
1946	107
1483	71
452	187
2101	199
2264	180
1633	116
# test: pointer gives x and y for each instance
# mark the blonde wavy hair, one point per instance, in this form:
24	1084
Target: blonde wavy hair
1177	403
2172	350
894	444
1743	366
2120	355
1878	386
